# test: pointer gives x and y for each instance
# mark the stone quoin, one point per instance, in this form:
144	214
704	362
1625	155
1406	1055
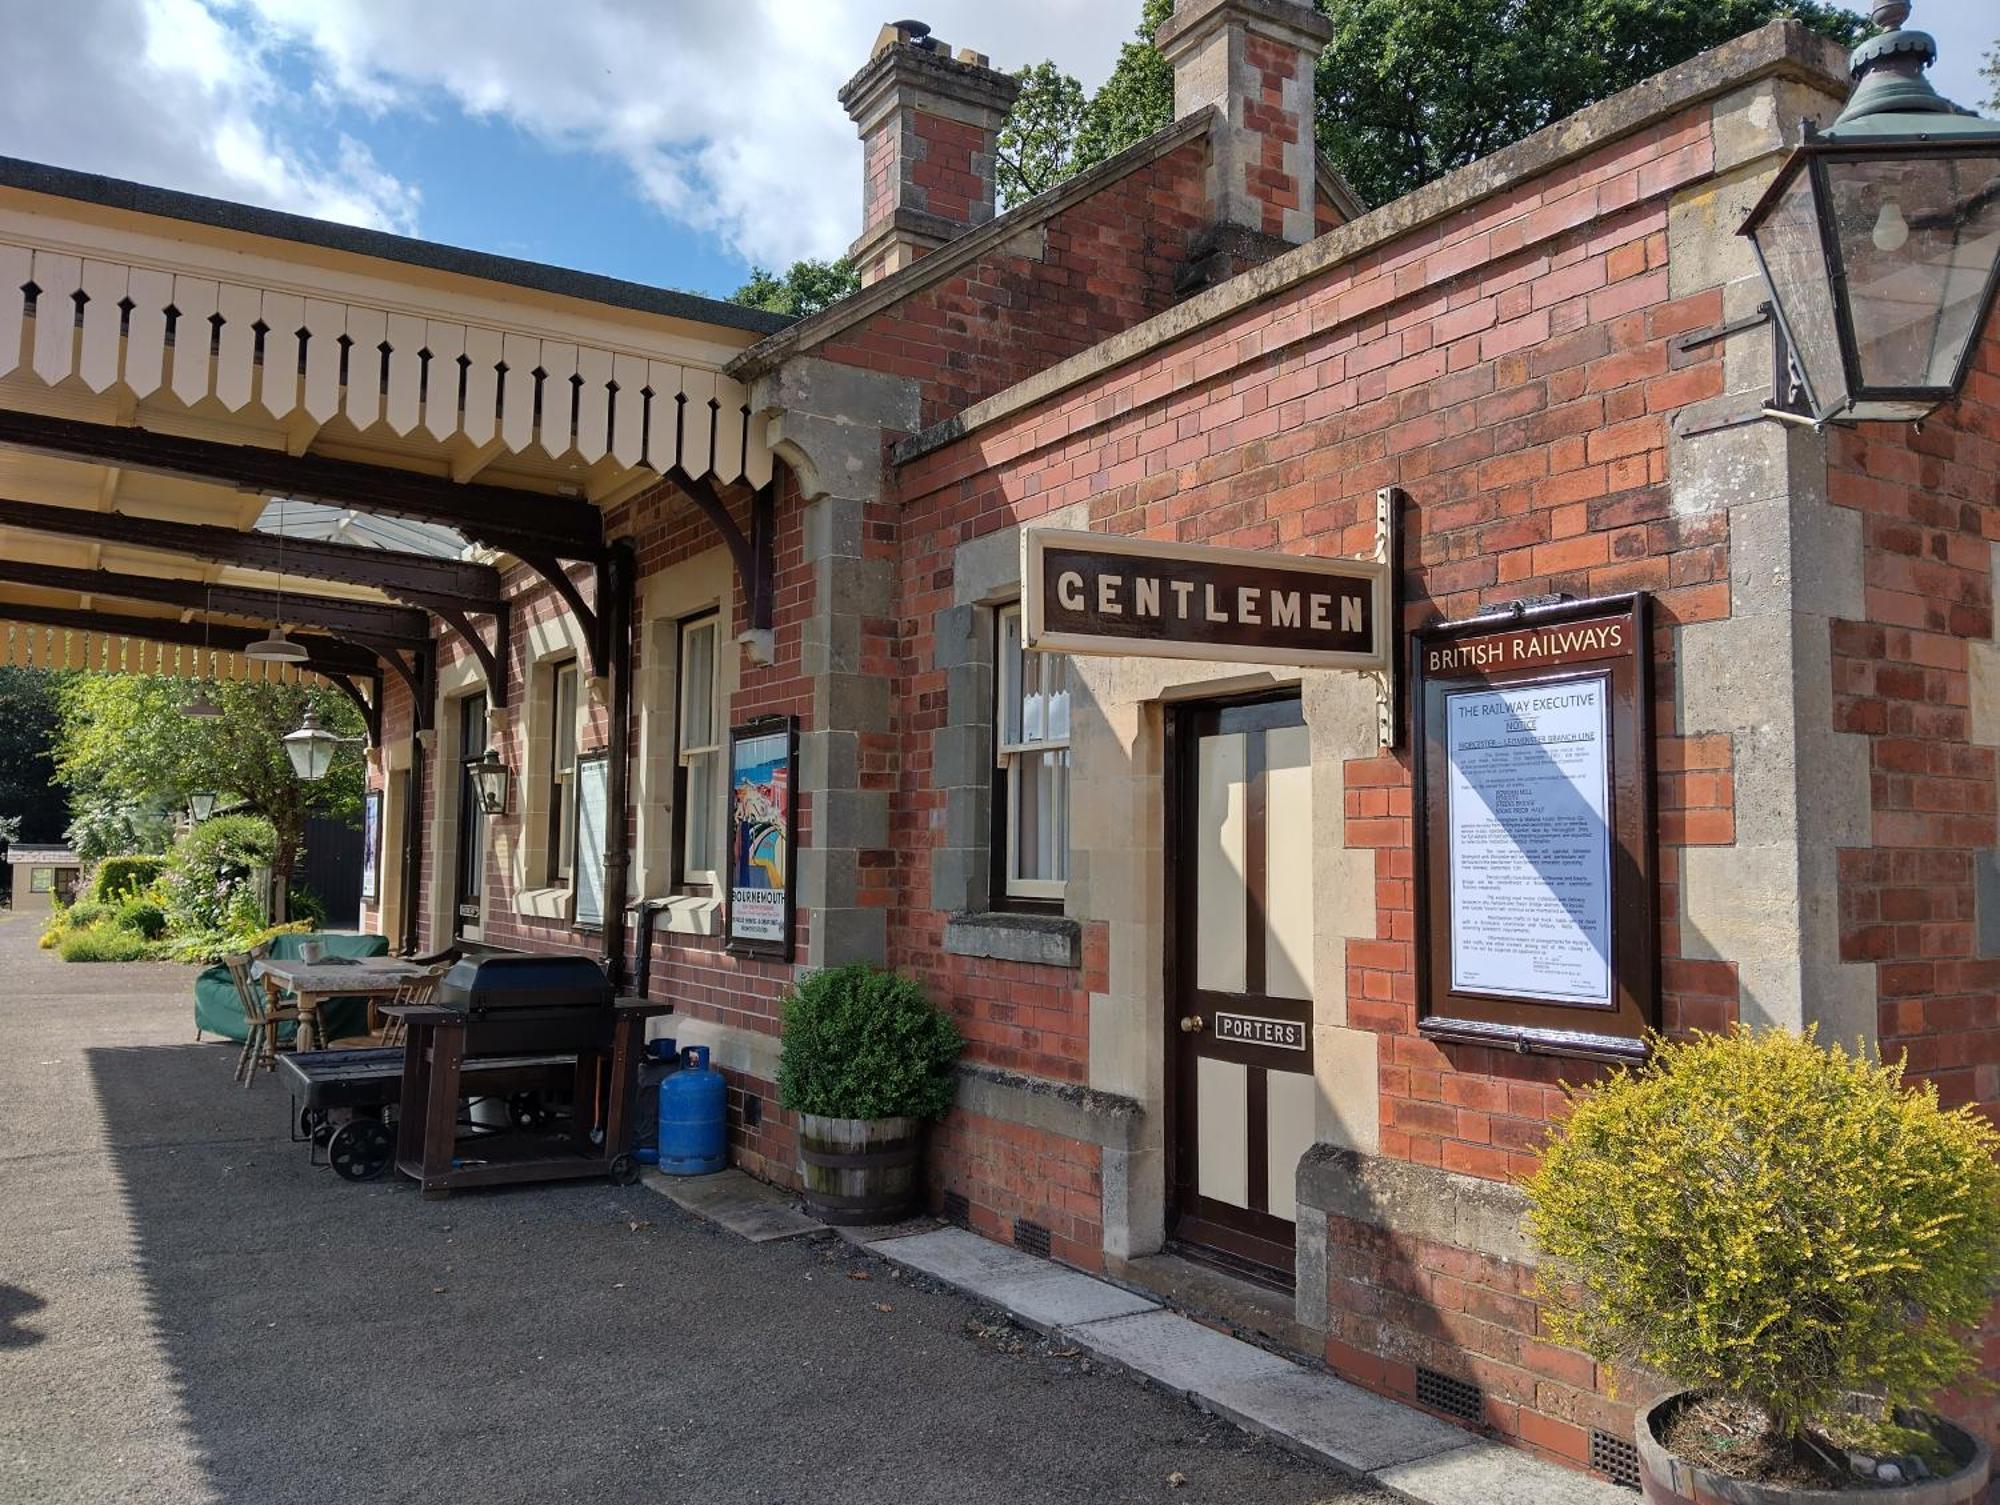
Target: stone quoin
1090	568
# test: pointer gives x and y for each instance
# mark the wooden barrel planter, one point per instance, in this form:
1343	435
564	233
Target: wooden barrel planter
859	1170
1666	1479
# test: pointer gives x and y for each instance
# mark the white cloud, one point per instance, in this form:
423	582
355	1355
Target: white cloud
165	91
721	111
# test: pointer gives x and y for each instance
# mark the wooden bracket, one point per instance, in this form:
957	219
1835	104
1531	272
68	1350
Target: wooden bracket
492	660
370	709
557	579
755	554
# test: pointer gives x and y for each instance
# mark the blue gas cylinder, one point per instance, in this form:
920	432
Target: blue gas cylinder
694	1119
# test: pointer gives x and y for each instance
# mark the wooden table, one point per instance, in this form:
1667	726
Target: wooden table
311	984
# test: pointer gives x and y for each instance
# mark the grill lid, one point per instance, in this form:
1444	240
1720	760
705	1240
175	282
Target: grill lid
487	983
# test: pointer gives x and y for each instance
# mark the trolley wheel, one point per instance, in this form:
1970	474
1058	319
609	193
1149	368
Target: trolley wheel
322	1135
360	1151
526	1110
313	1125
624	1170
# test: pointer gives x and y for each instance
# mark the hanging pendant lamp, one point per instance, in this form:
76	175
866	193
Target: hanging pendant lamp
278	648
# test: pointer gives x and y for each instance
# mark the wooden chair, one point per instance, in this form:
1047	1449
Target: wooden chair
387	1031
261	1018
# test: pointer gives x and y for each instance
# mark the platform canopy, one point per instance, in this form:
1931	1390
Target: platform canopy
170	365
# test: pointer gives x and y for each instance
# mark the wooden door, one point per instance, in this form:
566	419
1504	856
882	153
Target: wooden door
1240	994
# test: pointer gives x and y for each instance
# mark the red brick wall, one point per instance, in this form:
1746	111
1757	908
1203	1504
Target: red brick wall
1109	263
1901	679
1513	375
1395	1303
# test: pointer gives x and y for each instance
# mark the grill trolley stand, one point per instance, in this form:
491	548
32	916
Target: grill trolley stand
366	1083
434	1068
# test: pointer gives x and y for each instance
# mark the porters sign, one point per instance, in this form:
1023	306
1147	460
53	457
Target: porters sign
1104	594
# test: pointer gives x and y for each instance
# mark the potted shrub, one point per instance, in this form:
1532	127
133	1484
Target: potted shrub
866	1059
1801	1243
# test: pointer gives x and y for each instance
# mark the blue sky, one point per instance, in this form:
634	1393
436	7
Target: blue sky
672	142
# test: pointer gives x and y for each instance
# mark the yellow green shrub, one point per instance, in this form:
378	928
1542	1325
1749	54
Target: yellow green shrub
1759	1217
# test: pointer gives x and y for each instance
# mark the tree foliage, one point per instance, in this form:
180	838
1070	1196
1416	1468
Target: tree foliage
124	742
803	289
1410	89
1136	100
28	789
1757	1217
1038	145
1991	73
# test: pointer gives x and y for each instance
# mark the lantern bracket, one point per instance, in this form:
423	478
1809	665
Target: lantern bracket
1698	338
1786	402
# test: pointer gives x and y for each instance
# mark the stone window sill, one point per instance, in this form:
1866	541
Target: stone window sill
542	903
1038	940
688	914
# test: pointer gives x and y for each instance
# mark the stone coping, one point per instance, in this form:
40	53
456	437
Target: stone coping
1783	49
1417	1201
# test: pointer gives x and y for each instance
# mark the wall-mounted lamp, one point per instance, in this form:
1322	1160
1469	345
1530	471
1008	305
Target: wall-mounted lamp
1880	239
489	778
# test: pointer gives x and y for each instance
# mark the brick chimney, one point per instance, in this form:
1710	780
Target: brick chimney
930	124
1253	60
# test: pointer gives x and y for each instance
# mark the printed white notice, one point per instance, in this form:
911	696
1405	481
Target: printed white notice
1530	844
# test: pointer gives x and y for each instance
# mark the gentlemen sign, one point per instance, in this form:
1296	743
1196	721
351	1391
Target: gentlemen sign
1103	594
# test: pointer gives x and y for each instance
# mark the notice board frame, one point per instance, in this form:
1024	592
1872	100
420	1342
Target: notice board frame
1491	652
784	948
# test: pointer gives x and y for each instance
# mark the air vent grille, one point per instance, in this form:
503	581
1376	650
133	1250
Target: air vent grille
1615	1457
1442	1392
1031	1238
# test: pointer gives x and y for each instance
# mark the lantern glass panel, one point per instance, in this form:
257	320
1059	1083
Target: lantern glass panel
1788	243
1919	237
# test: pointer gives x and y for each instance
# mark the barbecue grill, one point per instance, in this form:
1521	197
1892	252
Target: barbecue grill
496	1007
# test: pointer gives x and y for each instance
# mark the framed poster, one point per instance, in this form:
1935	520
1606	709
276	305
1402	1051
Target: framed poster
1536	901
763	820
371	847
593	787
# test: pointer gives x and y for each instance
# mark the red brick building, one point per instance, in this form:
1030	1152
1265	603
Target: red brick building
1515	385
1145	353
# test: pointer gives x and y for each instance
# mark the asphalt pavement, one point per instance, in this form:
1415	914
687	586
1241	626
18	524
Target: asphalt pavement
189	1313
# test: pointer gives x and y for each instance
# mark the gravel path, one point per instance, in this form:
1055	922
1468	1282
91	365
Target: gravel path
189	1313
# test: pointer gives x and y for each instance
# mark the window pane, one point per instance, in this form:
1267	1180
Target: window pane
1918	240
1041	816
1010	675
700	854
565	829
1055	680
1790	246
698	685
564	729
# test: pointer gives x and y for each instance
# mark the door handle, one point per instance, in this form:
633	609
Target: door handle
1192	1024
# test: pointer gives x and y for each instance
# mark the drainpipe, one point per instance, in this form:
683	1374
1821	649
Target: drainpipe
614	618
421	707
